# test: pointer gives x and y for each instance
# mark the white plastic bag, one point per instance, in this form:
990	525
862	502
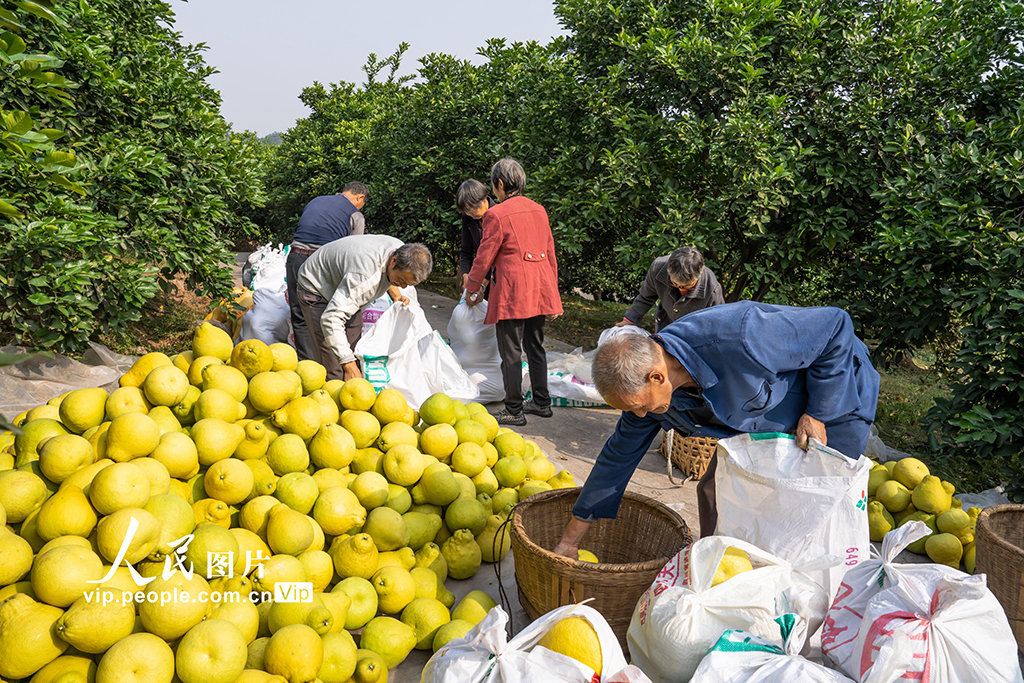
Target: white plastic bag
682	614
486	654
403	352
741	657
375	309
476	347
796	504
613	332
269	319
268	267
955	633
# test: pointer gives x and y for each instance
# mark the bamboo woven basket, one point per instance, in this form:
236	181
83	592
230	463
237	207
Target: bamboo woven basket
633	548
691	454
1000	555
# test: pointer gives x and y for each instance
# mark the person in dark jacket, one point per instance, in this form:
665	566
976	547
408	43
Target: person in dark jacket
517	243
745	367
472	201
325	219
680	283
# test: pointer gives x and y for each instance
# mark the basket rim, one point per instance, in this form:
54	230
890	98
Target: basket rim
985	524
519	533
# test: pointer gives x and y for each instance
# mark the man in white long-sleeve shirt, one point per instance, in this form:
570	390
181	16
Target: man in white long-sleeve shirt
342	277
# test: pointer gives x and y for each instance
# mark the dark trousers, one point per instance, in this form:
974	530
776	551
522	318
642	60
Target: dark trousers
303	340
313	307
515	336
848	435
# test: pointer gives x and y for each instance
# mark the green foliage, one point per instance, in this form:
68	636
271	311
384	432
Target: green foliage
162	180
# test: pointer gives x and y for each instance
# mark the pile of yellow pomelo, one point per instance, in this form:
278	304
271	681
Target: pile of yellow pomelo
903	490
273	476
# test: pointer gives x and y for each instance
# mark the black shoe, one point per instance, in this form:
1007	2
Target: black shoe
534	409
506	418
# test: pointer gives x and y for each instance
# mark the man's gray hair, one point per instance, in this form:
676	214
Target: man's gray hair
414	258
511	174
685	265
622	363
472	193
357	189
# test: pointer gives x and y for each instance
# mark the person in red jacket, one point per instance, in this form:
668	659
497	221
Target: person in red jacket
518	244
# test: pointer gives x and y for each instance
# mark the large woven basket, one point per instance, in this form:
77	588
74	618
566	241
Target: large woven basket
691	454
633	548
1000	555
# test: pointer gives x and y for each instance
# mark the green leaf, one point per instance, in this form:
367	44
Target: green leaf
8	210
37	9
58	158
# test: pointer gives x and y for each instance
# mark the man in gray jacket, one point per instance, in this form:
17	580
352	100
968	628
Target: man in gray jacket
342	277
680	283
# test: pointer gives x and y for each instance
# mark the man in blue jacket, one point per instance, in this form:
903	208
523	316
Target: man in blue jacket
732	369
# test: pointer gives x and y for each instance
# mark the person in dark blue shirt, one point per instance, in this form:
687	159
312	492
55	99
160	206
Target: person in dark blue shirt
745	367
325	219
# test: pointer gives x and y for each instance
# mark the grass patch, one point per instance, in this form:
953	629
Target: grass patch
166	325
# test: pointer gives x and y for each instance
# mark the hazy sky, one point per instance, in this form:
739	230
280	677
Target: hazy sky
268	50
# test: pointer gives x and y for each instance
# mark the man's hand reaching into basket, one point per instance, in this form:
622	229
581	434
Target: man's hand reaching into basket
574	532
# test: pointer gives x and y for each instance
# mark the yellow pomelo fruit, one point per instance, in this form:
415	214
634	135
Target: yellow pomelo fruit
165	419
284	355
403	557
229	480
329	413
357	394
390	406
210	340
277	569
252	357
461	554
213	651
120	485
367	460
563	480
287	453
399	499
28	638
930	496
174	618
67	669
395	433
969	558
177	452
296	381
509	444
255	659
215	439
312	613
251	550
255	442
176	520
735	561
67	513
438	409
332	446
387	529
165	385
474	607
79	541
126	400
59	575
255	513
214	545
422	528
195	370
469	459
531	488
495	541
425	615
183	360
587	556
43	412
390	638
132	435
141	368
918	546
159	478
90	626
456	628
954	521
34	433
909	472
82	409
312	374
215	403
185	410
439	440
370	668
370	488
426	582
242	613
471	431
437	486
485	482
575	637
328	477
466	513
355	556
212	511
288	532
226	378
339	661
337	510
489	423
893	495
510	471
539	468
270	391
138	658
300	416
944	549
319	568
83	478
113	530
295	652
362	601
430	556
364	427
876	477
15	557
63	455
395	588
880	522
298	491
